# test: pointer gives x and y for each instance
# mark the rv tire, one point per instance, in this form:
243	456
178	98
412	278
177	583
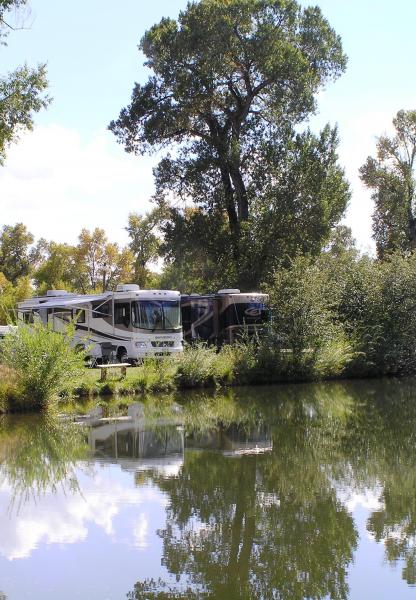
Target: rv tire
122	355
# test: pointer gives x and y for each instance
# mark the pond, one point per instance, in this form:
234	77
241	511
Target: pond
282	492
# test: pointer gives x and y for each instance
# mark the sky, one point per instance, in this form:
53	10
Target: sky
70	173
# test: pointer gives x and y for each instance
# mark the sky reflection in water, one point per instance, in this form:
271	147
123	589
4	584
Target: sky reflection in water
286	492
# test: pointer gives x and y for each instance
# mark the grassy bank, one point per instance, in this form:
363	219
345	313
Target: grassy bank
199	366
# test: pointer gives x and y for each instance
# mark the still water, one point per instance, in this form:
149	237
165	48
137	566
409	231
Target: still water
287	492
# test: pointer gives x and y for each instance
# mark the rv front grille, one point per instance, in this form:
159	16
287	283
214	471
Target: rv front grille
164	344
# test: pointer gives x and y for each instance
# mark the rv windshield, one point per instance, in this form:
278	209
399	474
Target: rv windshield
156	314
245	313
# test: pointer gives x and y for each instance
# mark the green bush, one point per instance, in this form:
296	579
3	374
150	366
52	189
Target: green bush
307	339
44	364
378	308
201	365
9	388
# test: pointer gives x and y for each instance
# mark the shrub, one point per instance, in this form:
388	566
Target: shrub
201	365
9	388
378	310
307	338
195	366
44	363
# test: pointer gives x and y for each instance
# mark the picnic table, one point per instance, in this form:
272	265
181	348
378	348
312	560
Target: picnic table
105	369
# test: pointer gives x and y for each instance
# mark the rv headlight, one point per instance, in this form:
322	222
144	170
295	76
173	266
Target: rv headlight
140	344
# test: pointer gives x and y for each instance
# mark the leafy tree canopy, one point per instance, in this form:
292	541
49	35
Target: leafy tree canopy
22	92
391	177
15	241
144	242
231	80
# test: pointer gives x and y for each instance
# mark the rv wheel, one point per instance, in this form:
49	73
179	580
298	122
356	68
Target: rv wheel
90	362
122	355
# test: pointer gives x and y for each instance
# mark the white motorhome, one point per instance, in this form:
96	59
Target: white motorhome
128	324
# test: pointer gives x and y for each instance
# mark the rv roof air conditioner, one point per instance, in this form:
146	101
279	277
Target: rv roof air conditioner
229	291
128	287
54	293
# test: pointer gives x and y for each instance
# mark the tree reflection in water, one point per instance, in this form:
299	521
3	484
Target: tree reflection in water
38	454
382	440
258	526
272	525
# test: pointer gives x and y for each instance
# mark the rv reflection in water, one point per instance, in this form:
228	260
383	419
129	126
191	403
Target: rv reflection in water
233	440
138	444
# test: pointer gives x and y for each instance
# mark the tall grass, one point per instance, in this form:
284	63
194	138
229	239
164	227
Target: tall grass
201	365
153	375
42	364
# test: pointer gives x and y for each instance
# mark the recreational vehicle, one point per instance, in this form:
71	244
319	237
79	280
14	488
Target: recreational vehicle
223	317
128	324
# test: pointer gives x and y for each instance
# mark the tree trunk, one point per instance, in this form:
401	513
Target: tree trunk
411	228
241	193
230	208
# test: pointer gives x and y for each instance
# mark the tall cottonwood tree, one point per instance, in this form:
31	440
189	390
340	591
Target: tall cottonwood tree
22	92
231	80
391	177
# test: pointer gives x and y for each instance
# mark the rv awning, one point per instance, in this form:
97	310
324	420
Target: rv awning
72	302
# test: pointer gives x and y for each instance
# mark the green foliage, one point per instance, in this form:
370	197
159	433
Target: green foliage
342	314
145	243
44	362
391	176
22	92
153	375
231	81
201	365
9	388
305	324
99	264
57	270
378	309
9	297
14	251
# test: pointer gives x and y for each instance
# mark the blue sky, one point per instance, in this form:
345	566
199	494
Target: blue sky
70	173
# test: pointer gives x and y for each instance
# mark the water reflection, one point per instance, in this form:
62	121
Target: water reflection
257	526
139	443
38	455
248	494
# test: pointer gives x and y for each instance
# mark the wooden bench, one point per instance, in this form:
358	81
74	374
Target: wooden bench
105	368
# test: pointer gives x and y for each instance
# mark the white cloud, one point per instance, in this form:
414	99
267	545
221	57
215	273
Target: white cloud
141	530
368	498
64	518
56	184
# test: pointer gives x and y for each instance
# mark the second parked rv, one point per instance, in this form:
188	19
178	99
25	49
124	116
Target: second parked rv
224	317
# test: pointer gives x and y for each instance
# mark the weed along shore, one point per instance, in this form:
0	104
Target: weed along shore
40	369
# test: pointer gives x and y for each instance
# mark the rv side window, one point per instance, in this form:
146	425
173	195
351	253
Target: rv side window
122	314
63	314
100	310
